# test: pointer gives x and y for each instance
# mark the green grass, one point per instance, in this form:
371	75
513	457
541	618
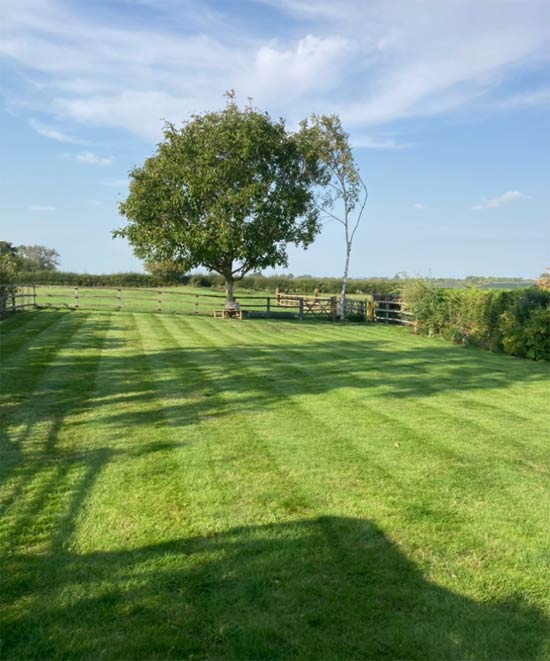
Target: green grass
182	300
173	487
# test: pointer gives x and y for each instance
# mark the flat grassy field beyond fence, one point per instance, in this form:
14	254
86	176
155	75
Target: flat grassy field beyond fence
175	487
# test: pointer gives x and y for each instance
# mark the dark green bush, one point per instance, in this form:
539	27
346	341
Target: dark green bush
514	322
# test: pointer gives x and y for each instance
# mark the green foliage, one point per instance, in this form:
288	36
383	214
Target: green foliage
181	488
8	271
7	249
325	136
87	279
37	258
8	268
166	272
513	322
228	191
343	194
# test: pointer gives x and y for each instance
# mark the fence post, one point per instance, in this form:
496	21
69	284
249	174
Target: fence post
119	299
159	300
13	305
196	304
268	306
370	309
76	298
34	296
300	308
277	296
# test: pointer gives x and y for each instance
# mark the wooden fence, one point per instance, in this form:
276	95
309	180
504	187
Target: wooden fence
389	309
14	298
379	308
313	306
137	299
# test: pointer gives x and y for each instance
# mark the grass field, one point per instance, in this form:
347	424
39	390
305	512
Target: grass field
181	300
180	487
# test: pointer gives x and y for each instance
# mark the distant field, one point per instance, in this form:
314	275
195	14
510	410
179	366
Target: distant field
176	487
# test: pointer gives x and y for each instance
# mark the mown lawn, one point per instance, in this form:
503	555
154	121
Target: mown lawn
180	487
177	299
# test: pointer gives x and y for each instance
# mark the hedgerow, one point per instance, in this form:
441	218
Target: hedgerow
515	322
286	283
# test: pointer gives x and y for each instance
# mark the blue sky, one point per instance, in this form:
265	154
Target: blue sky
446	101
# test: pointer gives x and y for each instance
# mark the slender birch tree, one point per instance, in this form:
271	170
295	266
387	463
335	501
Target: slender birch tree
343	196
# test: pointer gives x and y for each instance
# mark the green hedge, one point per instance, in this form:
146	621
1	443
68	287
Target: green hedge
515	322
285	283
85	279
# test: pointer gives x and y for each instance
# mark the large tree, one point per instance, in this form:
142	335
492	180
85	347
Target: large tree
344	194
37	258
228	191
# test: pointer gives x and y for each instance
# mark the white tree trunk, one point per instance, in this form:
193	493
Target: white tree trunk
341	308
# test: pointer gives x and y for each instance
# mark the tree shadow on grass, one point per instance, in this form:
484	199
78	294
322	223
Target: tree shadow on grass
319	368
195	380
322	588
328	587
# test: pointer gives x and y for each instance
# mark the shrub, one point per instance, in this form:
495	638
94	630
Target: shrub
514	322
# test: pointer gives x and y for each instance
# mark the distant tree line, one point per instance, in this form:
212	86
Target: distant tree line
16	260
306	284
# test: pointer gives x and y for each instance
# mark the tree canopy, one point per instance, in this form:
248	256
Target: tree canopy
228	191
37	258
8	263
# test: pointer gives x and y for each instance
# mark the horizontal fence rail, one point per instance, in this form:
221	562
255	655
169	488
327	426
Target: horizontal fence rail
390	309
14	298
378	308
146	300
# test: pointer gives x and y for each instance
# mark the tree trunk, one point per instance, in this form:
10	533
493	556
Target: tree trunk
342	304
229	282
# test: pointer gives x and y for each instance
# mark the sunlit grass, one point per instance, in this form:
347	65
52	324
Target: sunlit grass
201	301
181	487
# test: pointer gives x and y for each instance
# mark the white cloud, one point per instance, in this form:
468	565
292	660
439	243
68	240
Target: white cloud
527	99
41	207
53	133
419	205
313	63
89	158
361	140
372	62
505	198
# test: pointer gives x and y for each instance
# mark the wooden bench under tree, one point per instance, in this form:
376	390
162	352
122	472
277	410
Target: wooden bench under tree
230	313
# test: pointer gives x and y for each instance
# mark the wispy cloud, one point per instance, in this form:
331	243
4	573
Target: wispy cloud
505	198
363	141
89	158
419	205
53	133
527	99
373	63
41	207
